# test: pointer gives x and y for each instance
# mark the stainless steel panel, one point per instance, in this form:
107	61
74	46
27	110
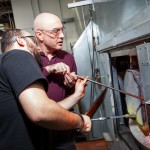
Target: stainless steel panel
88	61
143	52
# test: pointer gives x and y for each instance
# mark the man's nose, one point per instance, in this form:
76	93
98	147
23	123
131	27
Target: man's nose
61	34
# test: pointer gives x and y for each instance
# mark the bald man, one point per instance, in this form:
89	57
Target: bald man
59	68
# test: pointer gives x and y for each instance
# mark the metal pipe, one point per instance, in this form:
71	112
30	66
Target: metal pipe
126	93
133	116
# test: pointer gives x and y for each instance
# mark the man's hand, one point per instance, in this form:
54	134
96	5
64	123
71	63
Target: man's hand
79	92
80	87
58	68
87	124
70	79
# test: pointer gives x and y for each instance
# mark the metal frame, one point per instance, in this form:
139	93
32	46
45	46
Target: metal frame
124	35
78	4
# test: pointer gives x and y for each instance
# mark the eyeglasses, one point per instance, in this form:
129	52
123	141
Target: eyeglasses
23	37
31	37
54	31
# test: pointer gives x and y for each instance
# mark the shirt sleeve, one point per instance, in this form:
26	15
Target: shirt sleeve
21	70
45	72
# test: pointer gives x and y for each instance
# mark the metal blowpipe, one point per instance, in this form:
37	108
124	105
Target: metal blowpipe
126	93
115	117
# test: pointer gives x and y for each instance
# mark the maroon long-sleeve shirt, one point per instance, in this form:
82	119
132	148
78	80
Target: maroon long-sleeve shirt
56	88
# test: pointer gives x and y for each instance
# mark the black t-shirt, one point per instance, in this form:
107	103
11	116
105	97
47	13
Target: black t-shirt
18	69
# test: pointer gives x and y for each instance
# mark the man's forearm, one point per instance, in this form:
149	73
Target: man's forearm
70	101
45	112
61	119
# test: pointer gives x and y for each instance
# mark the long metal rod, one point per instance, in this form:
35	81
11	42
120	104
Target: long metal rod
115	117
126	93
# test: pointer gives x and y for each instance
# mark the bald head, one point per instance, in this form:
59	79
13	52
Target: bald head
45	21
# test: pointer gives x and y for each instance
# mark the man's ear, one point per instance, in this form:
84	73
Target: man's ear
38	49
39	35
20	41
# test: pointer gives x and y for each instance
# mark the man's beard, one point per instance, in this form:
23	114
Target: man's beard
34	51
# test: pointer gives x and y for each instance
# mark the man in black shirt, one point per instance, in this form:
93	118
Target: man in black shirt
25	109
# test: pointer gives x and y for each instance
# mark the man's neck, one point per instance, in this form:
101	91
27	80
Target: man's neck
50	56
16	46
47	52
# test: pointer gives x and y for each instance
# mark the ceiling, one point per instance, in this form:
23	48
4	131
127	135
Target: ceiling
6	15
5	5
